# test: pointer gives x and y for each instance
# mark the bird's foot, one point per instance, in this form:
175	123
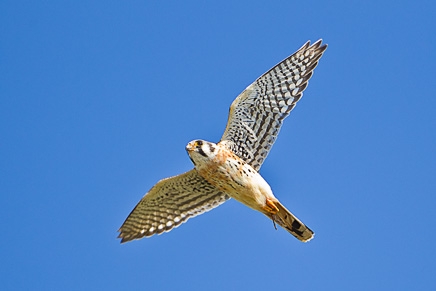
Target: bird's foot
270	207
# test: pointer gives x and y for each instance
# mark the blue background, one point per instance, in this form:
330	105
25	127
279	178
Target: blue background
98	100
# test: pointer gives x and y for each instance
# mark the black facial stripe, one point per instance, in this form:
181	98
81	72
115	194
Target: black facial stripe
192	160
201	152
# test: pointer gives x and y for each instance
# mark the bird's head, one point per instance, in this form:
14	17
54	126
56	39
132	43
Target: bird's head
201	151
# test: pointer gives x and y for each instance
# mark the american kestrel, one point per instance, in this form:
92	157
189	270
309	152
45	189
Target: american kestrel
230	168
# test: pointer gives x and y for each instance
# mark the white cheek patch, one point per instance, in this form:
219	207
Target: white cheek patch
202	152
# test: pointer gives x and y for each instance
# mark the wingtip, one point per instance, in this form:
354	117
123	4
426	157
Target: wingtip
123	237
318	45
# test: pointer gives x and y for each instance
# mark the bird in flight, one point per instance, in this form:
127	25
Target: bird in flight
230	168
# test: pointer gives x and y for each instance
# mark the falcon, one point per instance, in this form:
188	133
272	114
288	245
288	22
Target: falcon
230	168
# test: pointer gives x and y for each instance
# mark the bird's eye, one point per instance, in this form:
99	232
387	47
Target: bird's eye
199	143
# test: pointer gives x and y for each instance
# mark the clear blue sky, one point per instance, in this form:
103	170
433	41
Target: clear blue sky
98	100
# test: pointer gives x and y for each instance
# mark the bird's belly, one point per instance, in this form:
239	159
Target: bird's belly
241	183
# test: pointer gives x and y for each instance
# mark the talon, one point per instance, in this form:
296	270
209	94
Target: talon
274	222
270	207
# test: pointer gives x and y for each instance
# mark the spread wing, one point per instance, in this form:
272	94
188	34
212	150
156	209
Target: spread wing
169	203
258	112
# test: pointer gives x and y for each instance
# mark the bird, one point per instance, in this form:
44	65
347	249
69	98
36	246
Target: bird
230	168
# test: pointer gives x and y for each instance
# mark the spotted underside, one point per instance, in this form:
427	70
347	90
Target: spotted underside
254	122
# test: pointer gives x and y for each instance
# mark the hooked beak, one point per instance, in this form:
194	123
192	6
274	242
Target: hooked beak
190	147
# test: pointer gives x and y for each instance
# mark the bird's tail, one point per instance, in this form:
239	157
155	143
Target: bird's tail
292	224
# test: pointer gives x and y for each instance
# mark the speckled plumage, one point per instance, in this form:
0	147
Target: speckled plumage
230	168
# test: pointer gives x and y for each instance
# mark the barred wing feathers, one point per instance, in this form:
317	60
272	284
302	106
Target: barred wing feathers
171	202
257	114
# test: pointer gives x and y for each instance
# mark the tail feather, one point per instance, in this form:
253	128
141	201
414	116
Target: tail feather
292	224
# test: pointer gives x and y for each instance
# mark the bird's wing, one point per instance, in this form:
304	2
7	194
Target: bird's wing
169	203
257	114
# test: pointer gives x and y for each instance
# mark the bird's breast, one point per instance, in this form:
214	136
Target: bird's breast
232	175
